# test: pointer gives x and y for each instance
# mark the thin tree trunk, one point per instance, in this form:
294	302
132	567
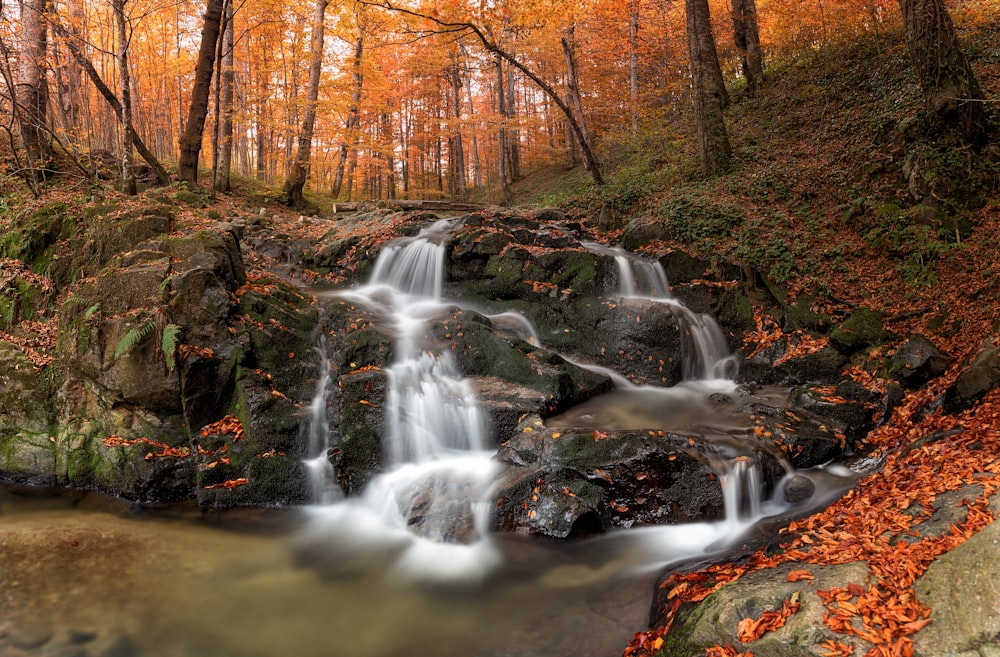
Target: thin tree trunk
710	96
128	185
633	64
952	94
458	156
353	117
223	176
194	127
502	136
573	89
32	90
296	179
513	134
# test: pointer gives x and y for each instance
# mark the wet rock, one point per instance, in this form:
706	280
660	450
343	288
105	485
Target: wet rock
804	440
917	361
771	366
29	632
797	489
569	482
850	409
980	377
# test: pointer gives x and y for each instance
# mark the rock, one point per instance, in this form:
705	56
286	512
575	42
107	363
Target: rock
864	328
29	632
714	621
980	377
797	489
917	361
770	366
965	585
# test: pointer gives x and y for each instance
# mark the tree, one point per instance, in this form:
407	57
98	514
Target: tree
710	97
348	147
493	47
87	66
572	85
746	36
224	131
952	94
296	179
128	185
194	127
31	88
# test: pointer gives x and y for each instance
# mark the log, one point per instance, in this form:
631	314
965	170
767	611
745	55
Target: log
440	206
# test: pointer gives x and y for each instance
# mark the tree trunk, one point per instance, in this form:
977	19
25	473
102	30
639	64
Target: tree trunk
224	170
747	39
300	167
457	151
952	94
710	96
502	136
32	90
194	127
128	185
353	117
633	65
573	91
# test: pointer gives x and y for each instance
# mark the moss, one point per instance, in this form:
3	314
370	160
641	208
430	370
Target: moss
864	328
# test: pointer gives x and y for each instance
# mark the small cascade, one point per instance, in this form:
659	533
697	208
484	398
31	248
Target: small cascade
742	489
317	429
706	355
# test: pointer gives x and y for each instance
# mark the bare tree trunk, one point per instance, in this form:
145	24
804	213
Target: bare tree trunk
952	94
194	128
458	154
296	179
573	88
747	38
710	96
633	64
513	134
128	185
502	136
353	116
477	167
227	75
32	89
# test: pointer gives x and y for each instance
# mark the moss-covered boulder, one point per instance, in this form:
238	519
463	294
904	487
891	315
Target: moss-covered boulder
862	329
981	376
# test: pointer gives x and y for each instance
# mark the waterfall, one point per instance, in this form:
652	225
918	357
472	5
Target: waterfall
429	501
706	355
317	429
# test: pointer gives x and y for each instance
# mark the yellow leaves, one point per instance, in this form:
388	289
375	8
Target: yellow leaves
556	435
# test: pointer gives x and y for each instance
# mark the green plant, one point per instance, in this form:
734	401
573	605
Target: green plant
168	343
133	337
699	221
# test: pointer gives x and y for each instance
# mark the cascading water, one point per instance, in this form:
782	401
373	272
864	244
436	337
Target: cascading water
428	504
429	512
707	355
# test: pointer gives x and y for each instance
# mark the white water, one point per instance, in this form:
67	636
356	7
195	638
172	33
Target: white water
428	513
438	471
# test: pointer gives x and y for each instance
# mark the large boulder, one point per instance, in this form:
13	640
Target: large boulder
980	377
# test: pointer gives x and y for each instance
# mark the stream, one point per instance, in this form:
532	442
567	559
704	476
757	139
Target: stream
409	566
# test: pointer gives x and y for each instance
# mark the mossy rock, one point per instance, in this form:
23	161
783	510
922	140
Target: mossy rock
357	452
862	329
33	239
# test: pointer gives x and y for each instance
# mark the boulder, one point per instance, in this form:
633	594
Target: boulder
862	329
917	361
980	377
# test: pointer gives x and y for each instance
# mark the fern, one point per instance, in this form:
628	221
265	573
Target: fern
171	334
133	337
90	311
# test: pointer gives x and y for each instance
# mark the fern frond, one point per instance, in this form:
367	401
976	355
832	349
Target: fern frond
133	337
169	341
90	311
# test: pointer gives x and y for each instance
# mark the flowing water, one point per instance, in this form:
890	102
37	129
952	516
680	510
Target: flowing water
351	577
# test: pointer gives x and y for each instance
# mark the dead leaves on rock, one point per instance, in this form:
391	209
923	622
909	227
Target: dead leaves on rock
878	522
751	629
